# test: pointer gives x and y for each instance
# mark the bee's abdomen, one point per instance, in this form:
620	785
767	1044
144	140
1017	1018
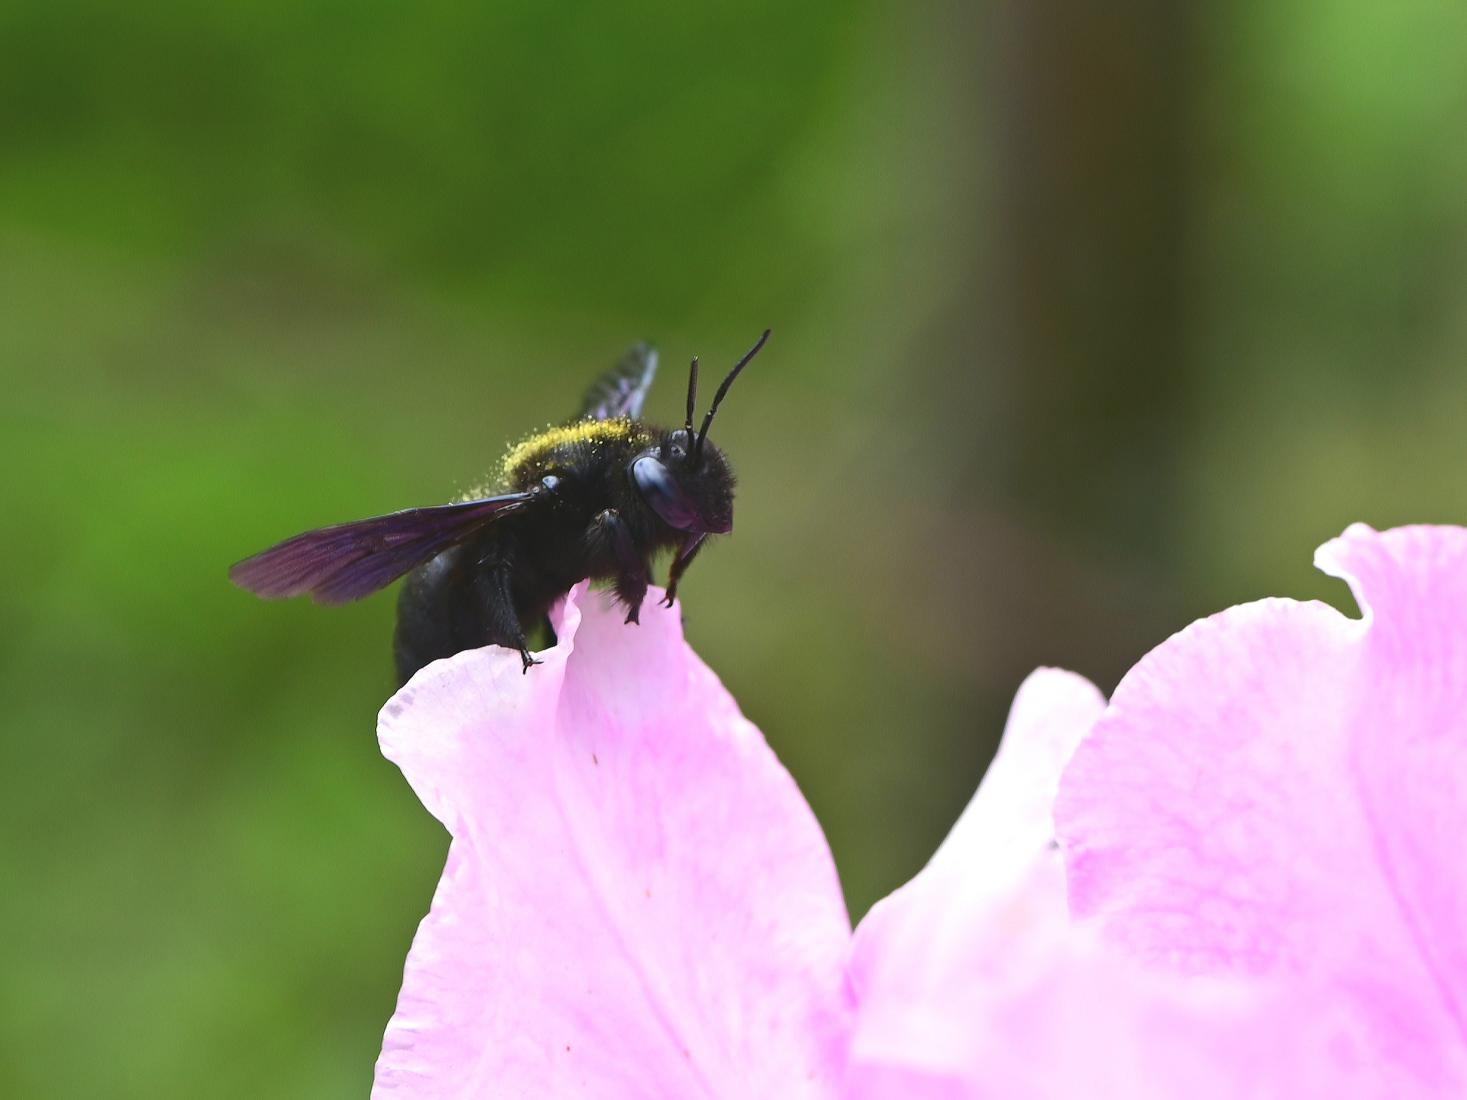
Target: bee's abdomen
437	613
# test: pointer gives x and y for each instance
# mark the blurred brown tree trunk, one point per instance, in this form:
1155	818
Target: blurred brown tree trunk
1089	151
1082	321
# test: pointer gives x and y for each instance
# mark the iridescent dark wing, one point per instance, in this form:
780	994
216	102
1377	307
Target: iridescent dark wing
351	560
621	391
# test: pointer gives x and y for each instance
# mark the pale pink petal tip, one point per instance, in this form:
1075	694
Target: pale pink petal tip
936	963
1413	578
637	902
1278	793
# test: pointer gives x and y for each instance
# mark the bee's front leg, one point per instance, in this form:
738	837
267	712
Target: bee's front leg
685	555
610	531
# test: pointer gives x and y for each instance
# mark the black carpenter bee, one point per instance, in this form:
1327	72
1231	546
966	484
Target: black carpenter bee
596	497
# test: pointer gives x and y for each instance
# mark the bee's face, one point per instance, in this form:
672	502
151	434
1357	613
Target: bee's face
691	489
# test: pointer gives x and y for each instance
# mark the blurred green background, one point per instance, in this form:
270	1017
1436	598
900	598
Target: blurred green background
1086	323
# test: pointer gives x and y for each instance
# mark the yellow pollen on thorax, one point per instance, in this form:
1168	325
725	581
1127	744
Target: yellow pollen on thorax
582	431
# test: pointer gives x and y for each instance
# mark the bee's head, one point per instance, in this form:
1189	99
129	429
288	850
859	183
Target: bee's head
685	478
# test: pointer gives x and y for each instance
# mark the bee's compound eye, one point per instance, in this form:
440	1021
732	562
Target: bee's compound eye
661	490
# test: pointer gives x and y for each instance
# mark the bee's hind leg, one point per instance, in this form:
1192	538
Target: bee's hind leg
496	598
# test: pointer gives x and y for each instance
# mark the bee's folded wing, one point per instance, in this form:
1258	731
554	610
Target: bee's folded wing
621	391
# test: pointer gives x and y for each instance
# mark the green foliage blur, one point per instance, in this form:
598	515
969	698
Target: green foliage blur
1085	324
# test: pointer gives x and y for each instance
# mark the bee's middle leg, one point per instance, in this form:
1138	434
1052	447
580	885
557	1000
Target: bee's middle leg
610	531
496	599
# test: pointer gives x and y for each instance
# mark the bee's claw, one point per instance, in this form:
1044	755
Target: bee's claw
527	660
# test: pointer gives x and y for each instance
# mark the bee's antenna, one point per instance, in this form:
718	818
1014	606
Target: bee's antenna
692	396
723	389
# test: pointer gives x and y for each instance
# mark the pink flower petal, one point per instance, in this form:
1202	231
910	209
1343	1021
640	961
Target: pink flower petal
637	901
935	964
973	982
1279	792
1409	733
1065	1020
